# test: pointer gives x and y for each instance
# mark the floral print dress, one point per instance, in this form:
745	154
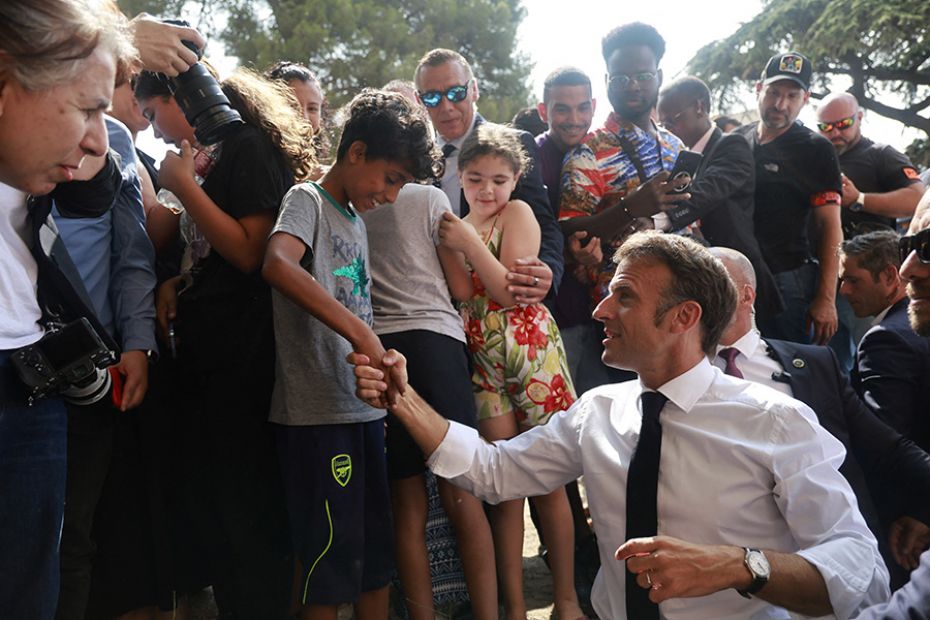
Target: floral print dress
519	361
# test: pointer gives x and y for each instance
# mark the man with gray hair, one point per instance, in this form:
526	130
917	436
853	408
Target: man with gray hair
760	455
892	369
447	88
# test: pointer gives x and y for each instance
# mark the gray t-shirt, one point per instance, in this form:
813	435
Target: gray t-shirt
409	289
314	384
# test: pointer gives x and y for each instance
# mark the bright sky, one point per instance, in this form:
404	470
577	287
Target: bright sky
686	26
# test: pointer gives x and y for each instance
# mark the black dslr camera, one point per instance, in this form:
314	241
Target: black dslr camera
71	361
201	99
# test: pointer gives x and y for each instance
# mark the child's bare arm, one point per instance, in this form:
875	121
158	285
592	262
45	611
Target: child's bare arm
457	276
521	237
282	270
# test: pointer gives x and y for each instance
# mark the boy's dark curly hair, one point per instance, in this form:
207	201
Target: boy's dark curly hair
392	128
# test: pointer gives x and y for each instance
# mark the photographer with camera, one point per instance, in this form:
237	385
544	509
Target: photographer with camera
59	60
241	149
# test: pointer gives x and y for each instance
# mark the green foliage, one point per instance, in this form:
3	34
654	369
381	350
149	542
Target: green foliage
883	48
918	152
358	43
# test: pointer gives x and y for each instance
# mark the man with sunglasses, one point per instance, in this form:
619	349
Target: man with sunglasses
447	88
913	600
879	183
797	184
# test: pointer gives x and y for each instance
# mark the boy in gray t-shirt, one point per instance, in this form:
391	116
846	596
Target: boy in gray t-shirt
330	444
312	388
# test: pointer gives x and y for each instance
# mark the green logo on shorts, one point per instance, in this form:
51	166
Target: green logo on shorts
342	468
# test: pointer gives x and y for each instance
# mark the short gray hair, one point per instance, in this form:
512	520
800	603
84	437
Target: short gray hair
44	43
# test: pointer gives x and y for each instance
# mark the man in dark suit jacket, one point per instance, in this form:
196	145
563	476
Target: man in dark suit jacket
889	474
447	87
892	369
723	188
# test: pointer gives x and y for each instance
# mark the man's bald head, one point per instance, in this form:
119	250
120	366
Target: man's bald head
833	114
738	266
744	277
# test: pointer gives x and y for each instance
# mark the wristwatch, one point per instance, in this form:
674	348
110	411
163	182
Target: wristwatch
759	567
859	203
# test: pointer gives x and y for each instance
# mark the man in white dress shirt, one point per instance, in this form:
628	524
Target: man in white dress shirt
748	497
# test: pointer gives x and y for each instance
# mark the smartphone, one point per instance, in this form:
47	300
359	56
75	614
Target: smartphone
685	168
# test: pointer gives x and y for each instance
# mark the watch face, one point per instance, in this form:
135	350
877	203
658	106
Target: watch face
758	564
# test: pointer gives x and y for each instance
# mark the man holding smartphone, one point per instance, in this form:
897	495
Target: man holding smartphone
723	186
617	173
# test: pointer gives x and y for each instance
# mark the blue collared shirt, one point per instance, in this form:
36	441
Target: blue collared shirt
114	255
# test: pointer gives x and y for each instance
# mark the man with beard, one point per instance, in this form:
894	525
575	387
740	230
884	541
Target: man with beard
879	182
797	179
601	176
913	600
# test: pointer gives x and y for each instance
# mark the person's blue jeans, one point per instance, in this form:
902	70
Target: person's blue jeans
32	497
797	287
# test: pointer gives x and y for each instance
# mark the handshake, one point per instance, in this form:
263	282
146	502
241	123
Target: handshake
381	388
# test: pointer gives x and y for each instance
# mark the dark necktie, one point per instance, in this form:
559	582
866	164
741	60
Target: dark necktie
447	150
729	356
641	486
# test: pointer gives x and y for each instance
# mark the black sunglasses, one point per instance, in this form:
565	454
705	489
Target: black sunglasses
919	243
433	98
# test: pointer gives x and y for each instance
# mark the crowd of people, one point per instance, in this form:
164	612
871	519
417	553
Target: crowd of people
236	368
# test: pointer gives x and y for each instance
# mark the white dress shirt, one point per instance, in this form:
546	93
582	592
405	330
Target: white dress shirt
740	465
701	144
450	184
754	362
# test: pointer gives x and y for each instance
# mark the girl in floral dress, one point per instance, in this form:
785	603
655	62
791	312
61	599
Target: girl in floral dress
520	373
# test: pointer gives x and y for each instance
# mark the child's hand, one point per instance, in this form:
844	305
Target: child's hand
177	171
371	347
456	234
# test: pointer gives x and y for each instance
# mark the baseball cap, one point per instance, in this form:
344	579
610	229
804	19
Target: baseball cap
789	66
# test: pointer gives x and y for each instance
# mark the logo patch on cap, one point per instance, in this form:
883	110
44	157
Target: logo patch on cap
790	63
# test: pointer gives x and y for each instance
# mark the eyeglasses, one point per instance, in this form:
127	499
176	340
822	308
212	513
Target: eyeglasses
843	123
919	243
619	82
673	121
455	94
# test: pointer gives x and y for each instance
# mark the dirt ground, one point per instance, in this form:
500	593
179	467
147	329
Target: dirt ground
537	583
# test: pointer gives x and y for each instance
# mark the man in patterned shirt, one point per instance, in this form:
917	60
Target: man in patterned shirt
629	153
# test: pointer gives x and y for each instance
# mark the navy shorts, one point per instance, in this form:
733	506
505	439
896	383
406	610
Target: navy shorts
335	478
437	368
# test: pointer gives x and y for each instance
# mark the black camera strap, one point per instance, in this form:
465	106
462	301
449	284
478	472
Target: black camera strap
61	293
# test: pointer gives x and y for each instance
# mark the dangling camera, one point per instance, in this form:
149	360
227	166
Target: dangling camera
72	361
200	97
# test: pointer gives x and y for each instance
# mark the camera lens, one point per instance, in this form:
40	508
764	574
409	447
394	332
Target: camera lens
200	97
204	105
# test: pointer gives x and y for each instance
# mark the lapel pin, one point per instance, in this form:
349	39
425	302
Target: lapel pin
797	362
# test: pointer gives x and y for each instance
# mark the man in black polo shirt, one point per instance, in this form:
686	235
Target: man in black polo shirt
797	178
880	184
